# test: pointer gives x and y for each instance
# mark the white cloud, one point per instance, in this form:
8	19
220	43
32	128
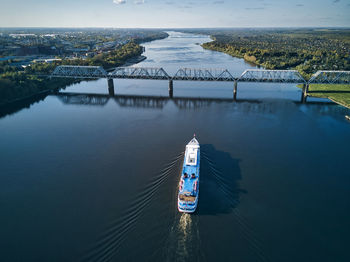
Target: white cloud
119	2
139	2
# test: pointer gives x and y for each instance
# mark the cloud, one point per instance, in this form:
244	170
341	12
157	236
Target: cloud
336	1
139	2
299	5
119	2
218	2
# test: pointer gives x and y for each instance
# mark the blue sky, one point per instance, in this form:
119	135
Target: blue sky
171	13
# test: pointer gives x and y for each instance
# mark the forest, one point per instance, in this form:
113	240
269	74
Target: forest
306	50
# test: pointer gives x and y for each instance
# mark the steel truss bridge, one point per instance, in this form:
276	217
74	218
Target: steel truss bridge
202	74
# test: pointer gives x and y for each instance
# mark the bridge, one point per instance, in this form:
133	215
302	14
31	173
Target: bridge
201	74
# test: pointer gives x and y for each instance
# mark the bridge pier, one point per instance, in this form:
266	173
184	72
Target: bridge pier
111	87
235	90
171	88
304	93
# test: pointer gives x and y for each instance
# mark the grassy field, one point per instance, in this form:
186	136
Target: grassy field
338	93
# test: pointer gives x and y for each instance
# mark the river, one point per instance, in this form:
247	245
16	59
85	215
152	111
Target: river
88	177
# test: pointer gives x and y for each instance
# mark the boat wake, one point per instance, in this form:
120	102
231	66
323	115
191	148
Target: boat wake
110	242
183	243
184	230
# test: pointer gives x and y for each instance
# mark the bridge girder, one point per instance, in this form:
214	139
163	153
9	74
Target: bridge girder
330	77
203	74
274	76
140	73
70	71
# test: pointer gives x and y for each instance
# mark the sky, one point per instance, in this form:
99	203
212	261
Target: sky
174	13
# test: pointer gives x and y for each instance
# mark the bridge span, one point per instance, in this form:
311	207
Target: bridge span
201	74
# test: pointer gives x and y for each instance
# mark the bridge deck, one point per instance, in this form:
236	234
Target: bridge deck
202	74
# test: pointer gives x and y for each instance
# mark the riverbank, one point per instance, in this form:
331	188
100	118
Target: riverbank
18	85
339	94
130	62
214	46
135	60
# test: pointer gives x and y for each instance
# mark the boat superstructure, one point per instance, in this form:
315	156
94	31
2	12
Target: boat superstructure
189	181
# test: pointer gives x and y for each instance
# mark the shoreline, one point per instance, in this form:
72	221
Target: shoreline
339	103
207	47
333	100
132	61
40	91
129	62
246	59
325	91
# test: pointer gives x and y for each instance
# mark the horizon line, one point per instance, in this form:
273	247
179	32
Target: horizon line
164	28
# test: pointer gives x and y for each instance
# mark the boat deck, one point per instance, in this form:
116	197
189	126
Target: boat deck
189	182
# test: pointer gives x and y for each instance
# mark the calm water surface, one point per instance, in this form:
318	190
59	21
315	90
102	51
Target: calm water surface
94	178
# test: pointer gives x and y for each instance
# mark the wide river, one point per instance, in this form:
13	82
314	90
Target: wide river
88	177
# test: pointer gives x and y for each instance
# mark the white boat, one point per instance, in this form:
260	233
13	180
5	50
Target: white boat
189	182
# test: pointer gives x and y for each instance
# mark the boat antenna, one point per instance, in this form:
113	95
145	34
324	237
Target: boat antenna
194	135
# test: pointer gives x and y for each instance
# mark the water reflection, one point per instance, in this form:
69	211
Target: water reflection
158	102
322	107
18	106
83	99
183	242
